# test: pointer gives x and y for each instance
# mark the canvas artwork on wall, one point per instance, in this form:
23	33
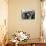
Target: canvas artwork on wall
28	14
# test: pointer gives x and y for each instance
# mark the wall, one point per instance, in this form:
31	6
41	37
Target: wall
15	21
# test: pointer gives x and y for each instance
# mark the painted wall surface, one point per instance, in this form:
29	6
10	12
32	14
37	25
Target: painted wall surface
17	23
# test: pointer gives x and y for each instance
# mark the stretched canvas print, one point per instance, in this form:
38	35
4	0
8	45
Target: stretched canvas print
28	14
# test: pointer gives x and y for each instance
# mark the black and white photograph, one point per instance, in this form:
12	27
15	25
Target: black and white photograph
28	14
